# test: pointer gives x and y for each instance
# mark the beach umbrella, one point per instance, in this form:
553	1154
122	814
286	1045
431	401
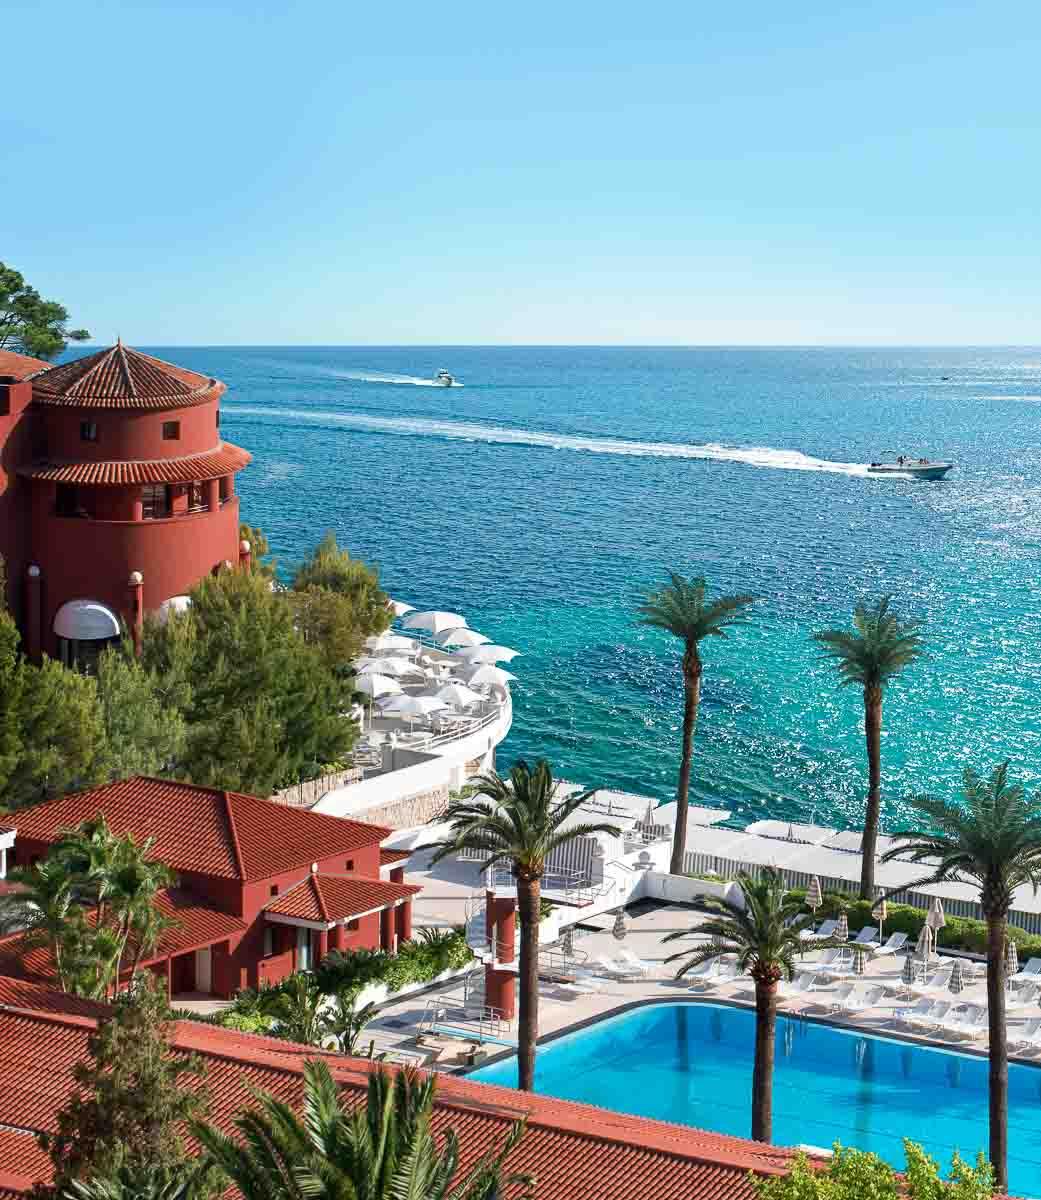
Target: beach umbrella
859	961
909	973
434	621
842	931
381	643
376	685
618	930
486	654
413	706
879	913
935	920
458	694
921	947
489	676
814	898
385	666
461	637
956	983
1011	958
399	607
567	942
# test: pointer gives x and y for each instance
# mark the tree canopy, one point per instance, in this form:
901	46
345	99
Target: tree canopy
28	323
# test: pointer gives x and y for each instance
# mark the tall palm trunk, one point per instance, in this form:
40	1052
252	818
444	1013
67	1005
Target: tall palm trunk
691	699
763	1072
873	739
529	890
997	925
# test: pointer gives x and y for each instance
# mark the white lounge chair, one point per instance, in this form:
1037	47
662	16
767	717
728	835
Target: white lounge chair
838	998
895	942
1027	1038
1030	972
867	937
1026	997
936	1016
610	966
911	1014
858	1000
935	985
721	971
970	1023
629	959
803	983
826	929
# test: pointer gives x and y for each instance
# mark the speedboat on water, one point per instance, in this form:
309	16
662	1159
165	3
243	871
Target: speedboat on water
910	468
443	379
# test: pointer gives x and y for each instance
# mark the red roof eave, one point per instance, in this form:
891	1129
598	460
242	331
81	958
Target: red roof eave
190	468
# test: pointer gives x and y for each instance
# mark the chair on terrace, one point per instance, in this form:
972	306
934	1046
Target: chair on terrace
1030	972
826	929
894	943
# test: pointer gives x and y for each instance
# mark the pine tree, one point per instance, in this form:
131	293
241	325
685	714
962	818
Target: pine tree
131	1099
12	687
143	736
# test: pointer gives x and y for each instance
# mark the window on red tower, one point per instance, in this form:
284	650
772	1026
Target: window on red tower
171	431
155	502
196	497
88	431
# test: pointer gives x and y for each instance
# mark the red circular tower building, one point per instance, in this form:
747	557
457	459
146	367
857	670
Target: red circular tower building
131	497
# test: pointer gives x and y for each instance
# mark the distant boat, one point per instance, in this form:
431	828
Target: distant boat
910	468
443	379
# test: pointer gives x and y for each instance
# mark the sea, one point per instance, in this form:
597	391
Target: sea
544	495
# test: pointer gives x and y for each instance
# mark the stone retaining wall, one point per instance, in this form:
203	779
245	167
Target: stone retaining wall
407	811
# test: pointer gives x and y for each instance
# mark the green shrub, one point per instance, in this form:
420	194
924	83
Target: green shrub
244	1022
417	961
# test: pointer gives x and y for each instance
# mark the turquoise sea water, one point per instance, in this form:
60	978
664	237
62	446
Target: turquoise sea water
539	498
694	1063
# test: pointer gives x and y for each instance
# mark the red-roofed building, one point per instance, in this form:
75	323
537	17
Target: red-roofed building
262	889
117	493
576	1151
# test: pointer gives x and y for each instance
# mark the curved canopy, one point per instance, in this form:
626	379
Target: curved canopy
86	621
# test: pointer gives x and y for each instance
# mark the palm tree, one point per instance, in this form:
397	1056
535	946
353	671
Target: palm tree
877	648
991	839
681	608
42	907
345	1021
381	1150
764	936
518	821
297	1008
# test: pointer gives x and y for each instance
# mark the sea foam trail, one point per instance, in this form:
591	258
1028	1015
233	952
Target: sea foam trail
413	380
753	456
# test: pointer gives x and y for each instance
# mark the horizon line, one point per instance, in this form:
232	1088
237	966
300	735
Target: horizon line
573	345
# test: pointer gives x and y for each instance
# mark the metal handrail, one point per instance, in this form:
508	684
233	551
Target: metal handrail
442	739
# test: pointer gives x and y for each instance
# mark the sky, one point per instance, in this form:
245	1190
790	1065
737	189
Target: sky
676	173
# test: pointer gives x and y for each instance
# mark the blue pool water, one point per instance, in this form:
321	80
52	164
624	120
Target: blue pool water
692	1063
539	498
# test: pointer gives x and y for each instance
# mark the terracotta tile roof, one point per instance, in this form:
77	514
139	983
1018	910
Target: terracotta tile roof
21	1162
123	378
575	1150
332	898
198	924
20	993
21	366
114	472
390	857
204	830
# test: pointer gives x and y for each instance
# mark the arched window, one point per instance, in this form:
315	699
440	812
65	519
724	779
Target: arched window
84	628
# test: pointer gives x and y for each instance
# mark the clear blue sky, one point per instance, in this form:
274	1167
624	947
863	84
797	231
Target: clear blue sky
343	173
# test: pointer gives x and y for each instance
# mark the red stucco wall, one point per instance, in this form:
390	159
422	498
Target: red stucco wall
16	448
128	435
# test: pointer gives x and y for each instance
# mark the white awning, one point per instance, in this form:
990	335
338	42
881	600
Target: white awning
86	621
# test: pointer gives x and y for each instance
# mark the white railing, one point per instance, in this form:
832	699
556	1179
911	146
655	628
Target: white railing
464	730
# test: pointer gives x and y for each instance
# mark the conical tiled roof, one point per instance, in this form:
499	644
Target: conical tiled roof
122	378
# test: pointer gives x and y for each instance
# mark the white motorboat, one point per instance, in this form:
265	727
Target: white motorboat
910	468
443	379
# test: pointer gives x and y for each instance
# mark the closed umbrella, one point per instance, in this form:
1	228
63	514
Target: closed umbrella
935	920
879	913
458	695
618	930
434	621
921	947
489	676
814	897
842	931
486	654
859	961
461	637
1011	958
956	983
909	973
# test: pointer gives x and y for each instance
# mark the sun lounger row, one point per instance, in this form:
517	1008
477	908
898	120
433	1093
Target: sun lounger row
945	1017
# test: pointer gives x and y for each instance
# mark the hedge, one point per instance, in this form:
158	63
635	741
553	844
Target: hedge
417	961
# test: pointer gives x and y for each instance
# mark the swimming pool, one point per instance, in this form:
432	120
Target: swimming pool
692	1063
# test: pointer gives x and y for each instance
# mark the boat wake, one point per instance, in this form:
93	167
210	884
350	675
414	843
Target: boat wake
753	456
411	380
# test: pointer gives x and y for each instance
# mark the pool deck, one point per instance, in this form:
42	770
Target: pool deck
395	1027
